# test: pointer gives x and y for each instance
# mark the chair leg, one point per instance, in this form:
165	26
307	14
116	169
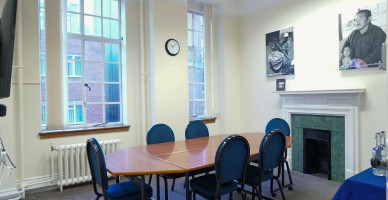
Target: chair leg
289	175
149	179
230	196
281	189
259	193
173	184
165	188
117	179
253	193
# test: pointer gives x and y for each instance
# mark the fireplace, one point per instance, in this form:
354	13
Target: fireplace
343	103
317	152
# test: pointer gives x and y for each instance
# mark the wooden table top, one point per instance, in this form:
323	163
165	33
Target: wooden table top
174	157
131	162
198	153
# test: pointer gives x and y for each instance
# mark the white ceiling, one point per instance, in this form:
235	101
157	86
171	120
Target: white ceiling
241	7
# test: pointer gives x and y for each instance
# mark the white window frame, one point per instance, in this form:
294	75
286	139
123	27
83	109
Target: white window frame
206	10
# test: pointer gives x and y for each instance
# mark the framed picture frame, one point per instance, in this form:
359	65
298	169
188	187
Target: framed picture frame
280	84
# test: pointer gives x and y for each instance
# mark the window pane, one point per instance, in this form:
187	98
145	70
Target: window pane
73	23
199	91
190	39
189	20
198	22
92	26
93	71
111	9
112	113
78	114
94	113
95	93
112	73
73	5
75	88
198	39
191	91
74	47
92	7
112	92
111	52
93	51
71	114
197	108
199	76
199	59
191	74
111	29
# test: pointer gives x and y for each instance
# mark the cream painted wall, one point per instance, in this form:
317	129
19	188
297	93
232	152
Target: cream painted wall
171	97
315	25
229	74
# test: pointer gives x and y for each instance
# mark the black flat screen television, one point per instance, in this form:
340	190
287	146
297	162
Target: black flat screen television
7	38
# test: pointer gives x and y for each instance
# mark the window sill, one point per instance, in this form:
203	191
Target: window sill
82	131
206	120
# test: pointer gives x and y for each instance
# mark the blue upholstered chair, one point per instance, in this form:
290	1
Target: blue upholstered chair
160	133
271	155
119	191
231	160
196	129
281	124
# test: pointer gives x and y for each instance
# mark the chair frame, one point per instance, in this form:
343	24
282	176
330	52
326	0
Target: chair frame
218	169
261	166
164	176
286	132
92	143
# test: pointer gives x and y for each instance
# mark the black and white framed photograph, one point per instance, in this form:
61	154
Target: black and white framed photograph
280	84
280	52
362	35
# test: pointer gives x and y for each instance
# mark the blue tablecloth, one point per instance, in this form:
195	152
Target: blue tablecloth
364	185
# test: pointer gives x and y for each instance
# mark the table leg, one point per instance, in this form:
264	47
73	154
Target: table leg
157	187
142	182
188	196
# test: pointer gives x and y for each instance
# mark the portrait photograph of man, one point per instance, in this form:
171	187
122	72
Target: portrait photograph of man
362	36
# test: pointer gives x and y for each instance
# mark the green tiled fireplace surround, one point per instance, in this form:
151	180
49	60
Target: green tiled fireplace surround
335	124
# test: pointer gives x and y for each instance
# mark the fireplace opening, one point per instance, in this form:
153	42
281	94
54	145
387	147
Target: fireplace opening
317	152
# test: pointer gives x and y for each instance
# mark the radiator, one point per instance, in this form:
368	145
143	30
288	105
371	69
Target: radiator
73	166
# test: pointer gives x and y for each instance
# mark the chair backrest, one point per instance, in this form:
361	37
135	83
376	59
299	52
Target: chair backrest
271	152
232	159
196	129
278	123
97	164
160	133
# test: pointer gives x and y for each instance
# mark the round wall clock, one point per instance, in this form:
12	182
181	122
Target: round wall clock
172	47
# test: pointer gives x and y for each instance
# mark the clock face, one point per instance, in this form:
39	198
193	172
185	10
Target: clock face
172	47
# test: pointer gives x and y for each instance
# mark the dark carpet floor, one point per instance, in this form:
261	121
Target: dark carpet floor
306	187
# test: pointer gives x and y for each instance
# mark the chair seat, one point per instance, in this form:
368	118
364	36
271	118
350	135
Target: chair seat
127	190
207	184
252	178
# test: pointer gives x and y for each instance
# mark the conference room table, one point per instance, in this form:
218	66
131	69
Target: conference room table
182	156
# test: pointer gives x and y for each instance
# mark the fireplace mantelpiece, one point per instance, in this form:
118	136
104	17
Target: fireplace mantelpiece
341	102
